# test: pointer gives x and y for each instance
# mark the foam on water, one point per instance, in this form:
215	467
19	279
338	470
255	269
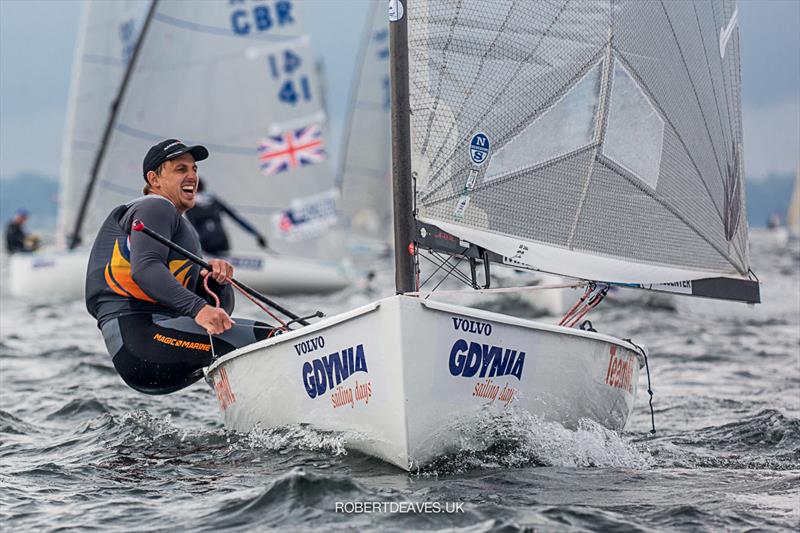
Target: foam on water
516	438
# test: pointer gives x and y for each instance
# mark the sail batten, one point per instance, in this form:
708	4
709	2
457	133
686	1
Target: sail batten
604	136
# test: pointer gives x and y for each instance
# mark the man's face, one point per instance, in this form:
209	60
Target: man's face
177	182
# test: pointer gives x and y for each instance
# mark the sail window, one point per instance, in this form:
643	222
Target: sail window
635	131
566	126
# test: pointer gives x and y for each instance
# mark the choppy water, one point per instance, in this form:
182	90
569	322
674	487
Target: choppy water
79	450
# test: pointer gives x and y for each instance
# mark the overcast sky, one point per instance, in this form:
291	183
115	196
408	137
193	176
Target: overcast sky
37	38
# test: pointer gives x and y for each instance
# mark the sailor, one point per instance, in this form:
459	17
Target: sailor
17	239
159	323
206	217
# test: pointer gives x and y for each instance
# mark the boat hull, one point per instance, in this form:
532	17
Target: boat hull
402	376
51	275
277	274
61	275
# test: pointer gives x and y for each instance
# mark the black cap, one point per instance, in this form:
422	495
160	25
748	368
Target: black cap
170	149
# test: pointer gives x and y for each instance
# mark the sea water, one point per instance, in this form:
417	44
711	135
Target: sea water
79	450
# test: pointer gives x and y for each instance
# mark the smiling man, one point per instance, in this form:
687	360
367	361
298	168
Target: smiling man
157	318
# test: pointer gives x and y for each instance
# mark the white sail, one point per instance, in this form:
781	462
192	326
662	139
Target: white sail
793	213
238	78
365	168
107	35
595	139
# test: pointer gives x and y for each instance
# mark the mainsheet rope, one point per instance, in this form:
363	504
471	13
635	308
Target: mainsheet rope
283	325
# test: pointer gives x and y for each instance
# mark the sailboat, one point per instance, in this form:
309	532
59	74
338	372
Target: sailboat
365	166
793	212
242	82
107	36
595	140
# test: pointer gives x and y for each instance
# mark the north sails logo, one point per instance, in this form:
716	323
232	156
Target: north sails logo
176	143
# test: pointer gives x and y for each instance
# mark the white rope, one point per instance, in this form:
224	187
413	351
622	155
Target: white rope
501	290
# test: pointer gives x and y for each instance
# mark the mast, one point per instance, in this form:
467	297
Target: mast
402	184
87	195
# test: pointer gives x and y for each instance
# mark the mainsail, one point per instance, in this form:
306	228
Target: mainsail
240	79
108	33
365	169
595	139
793	213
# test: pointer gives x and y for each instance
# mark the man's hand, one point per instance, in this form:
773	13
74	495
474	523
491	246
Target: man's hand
221	271
214	319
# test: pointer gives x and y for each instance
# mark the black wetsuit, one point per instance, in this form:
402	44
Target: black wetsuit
15	238
206	217
145	301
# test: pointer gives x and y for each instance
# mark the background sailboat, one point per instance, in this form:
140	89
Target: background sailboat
242	82
793	212
107	36
365	165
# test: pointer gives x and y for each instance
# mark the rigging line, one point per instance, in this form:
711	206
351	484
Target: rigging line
457	273
441	264
366	38
431	275
444	277
649	388
432	114
501	290
511	78
694	89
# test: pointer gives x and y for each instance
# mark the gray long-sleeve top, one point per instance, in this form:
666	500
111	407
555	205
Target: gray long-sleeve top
130	272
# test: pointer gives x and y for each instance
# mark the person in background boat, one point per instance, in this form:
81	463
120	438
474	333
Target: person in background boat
17	239
206	217
154	307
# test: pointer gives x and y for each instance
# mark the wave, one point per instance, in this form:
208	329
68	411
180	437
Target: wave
12	425
766	440
516	439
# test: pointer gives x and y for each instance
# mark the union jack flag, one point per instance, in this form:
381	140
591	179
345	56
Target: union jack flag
291	149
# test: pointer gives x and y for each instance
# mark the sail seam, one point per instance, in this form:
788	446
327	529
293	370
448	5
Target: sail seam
606	83
696	97
432	113
632	71
212	30
502	91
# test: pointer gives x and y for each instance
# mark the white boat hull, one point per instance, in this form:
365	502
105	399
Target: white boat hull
280	274
61	275
50	275
400	376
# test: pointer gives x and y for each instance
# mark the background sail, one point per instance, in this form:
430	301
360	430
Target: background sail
107	35
596	139
366	157
240	79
